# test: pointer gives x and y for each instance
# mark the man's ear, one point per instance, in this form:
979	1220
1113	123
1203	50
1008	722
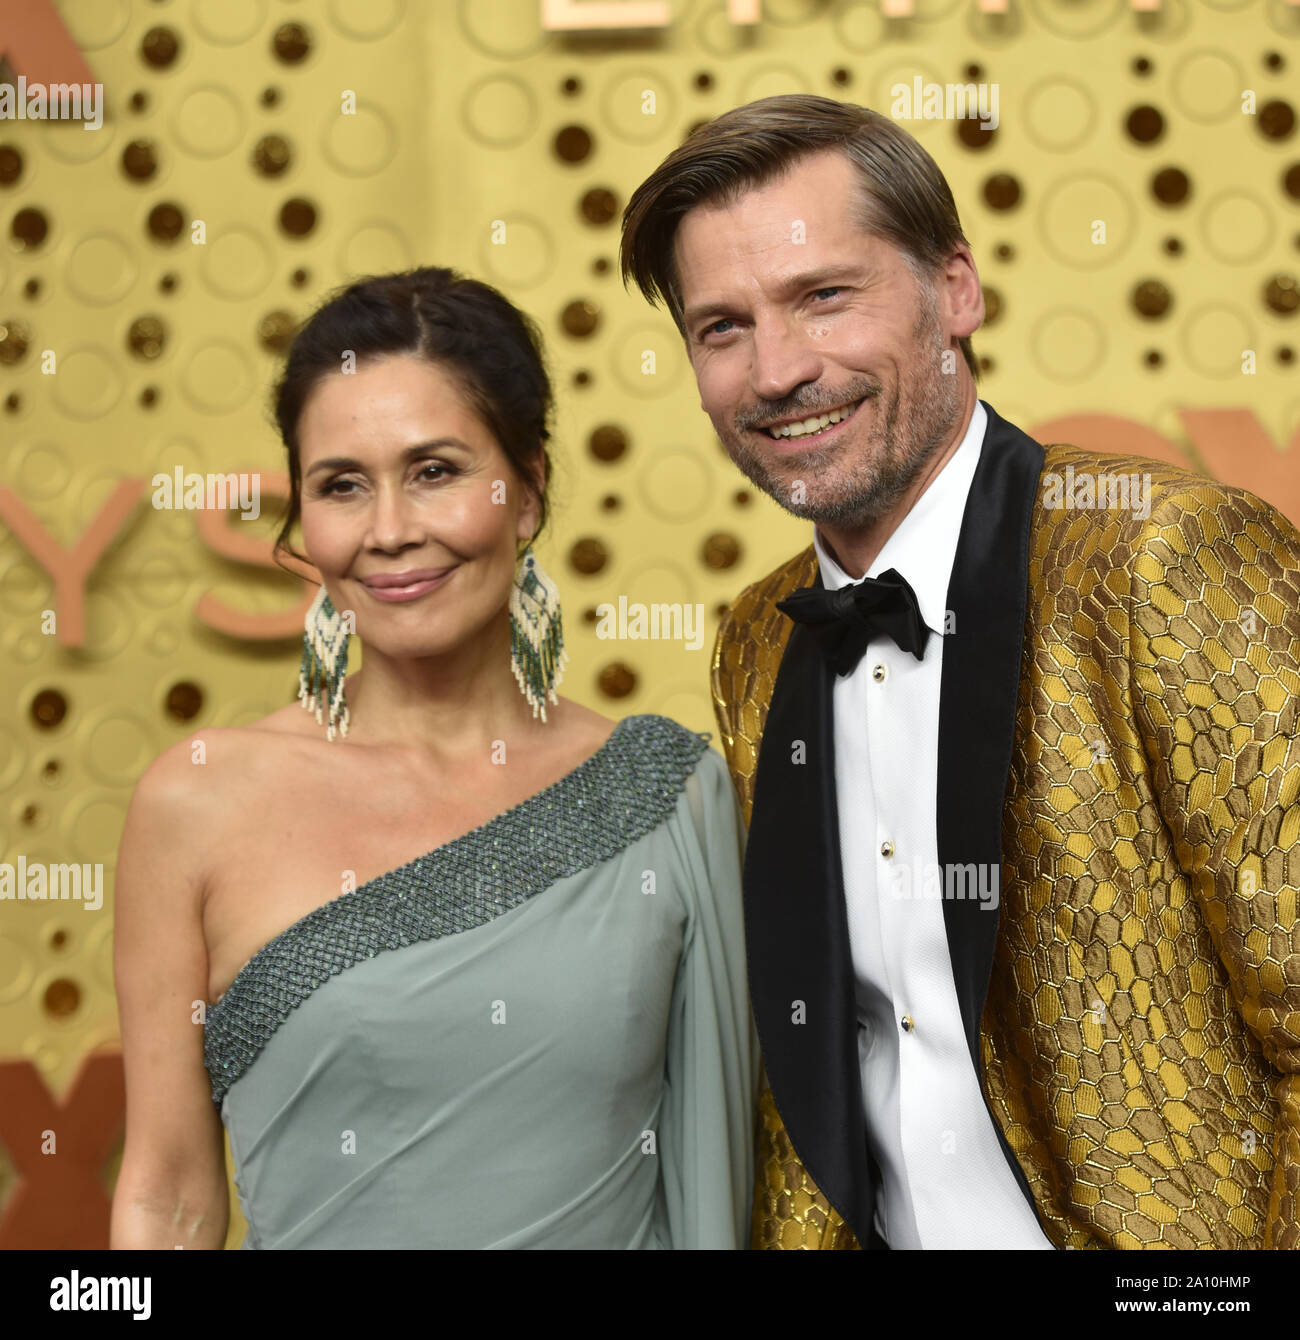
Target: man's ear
965	297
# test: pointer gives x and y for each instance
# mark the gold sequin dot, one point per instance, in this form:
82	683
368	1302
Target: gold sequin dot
165	222
140	160
271	155
275	331
720	550
973	135
48	708
1151	298
572	144
184	701
608	442
15	339
297	217
61	998
588	556
146	337
29	229
291	43
11	164
616	680
1276	119
1171	186
1281	294
599	205
1002	191
159	47
1145	124
580	318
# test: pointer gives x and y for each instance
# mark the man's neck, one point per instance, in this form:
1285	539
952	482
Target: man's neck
855	549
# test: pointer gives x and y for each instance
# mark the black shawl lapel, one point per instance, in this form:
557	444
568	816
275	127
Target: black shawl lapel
796	930
980	688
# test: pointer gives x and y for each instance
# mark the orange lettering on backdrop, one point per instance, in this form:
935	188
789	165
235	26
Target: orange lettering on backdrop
37	45
1111	434
1235	448
217	533
577	15
1233	445
69	568
568	15
60	1200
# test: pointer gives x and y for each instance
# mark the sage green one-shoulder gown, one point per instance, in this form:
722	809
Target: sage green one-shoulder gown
537	1035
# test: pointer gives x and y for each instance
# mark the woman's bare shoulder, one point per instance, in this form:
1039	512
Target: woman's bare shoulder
576	722
215	767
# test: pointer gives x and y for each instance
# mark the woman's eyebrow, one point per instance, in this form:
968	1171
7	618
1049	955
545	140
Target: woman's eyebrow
410	454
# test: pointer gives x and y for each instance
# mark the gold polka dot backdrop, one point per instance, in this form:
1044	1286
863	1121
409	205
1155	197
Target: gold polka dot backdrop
254	154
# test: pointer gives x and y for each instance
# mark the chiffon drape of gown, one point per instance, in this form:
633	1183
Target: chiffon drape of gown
537	1035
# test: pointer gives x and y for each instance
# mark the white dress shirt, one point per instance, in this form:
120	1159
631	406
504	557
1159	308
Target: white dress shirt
945	1181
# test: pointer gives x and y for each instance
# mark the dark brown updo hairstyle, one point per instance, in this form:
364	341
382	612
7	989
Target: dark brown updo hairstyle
468	329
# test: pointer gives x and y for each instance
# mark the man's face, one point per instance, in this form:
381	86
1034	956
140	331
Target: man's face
793	312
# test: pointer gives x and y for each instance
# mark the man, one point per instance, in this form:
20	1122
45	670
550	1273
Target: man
1017	745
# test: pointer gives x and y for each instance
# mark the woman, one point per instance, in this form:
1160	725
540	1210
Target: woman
463	971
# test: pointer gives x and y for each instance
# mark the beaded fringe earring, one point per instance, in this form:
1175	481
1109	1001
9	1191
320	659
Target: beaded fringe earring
324	663
537	652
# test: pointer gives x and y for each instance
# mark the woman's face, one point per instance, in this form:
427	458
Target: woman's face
410	508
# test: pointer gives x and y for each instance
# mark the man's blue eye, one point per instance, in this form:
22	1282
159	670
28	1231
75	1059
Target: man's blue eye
713	329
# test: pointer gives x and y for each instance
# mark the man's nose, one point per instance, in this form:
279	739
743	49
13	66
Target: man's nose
784	356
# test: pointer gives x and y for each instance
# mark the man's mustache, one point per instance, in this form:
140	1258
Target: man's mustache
789	409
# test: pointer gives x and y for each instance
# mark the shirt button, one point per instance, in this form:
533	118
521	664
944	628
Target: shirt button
886	848
907	1023
877	673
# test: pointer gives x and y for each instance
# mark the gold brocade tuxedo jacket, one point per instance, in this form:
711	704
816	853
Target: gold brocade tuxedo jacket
1117	729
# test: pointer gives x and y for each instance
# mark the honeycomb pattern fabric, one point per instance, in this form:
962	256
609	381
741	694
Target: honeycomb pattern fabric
1141	1035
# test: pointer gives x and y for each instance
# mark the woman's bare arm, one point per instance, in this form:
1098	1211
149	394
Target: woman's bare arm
171	1190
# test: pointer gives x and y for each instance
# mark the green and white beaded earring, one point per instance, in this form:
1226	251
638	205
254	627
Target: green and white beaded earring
537	653
324	663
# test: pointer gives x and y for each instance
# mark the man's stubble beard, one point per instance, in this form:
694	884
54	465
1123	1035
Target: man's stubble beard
884	472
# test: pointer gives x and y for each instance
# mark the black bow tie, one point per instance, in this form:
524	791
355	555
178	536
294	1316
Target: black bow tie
846	620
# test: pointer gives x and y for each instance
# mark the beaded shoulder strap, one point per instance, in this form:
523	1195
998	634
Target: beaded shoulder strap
626	788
